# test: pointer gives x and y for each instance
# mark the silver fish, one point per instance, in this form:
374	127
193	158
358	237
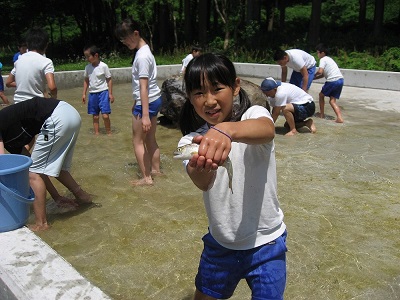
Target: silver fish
187	151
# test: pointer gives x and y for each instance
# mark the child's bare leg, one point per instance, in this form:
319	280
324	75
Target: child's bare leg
142	155
290	121
310	124
96	124
107	123
4	98
321	105
336	109
39	204
60	200
69	182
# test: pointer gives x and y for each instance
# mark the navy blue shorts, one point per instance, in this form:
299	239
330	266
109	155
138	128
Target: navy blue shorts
303	111
297	79
99	102
264	269
154	108
1	84
333	88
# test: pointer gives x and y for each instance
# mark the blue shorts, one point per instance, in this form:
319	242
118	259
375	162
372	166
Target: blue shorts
154	108
333	88
303	111
264	269
1	84
99	102
297	78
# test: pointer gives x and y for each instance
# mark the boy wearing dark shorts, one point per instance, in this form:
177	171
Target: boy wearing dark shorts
296	105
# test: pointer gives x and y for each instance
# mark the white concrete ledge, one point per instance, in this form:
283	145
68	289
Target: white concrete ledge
354	78
30	269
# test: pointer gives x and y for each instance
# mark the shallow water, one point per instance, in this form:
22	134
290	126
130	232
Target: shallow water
339	190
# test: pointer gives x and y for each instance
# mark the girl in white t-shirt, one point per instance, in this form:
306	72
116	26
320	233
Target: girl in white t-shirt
147	96
246	238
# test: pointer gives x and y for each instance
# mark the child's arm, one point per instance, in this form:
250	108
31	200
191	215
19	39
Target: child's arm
215	146
85	88
284	73
1	146
52	85
276	110
319	74
144	97
304	73
110	86
10	81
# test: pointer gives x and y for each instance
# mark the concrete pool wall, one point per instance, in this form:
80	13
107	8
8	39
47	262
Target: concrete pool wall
354	78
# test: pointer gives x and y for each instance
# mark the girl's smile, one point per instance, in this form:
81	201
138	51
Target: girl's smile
214	101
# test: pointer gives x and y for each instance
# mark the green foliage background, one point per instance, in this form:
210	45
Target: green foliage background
351	47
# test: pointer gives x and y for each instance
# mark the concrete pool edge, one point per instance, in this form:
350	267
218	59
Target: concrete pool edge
31	269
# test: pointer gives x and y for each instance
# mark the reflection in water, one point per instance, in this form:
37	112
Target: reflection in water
338	189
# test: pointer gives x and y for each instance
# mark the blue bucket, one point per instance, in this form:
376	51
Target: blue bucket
15	192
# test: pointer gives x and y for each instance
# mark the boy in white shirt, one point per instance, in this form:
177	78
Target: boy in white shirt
196	51
333	85
296	105
98	81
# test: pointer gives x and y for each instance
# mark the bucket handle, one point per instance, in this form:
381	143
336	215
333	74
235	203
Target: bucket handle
18	197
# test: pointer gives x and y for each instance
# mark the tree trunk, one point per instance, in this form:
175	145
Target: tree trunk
282	13
378	19
362	13
203	21
188	32
313	35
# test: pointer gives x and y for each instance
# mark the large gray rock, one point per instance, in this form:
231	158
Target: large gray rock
173	98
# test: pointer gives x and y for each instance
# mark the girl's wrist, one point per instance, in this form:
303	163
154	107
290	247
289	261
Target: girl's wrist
223	132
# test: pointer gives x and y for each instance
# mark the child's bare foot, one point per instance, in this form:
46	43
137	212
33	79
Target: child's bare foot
319	115
39	227
65	202
339	120
81	196
157	173
291	133
142	182
311	126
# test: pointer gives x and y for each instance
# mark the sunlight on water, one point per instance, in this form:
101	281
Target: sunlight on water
339	190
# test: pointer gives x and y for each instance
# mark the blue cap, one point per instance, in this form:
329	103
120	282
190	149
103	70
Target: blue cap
269	84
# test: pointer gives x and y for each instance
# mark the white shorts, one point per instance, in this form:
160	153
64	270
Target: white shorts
56	141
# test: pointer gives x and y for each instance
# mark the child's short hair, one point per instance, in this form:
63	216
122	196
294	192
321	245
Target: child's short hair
196	48
93	49
279	54
37	39
322	48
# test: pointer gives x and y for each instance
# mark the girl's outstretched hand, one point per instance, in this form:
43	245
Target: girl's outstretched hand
214	148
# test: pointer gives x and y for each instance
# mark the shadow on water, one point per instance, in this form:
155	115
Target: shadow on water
339	189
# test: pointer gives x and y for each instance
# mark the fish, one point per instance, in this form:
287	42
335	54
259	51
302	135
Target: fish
187	151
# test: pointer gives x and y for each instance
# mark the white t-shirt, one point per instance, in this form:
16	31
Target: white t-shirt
186	61
97	77
250	216
30	75
289	93
299	58
331	69
144	66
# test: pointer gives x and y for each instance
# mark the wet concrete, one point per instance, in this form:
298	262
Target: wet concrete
339	190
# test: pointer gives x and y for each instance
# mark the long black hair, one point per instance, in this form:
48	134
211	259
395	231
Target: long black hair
213	68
